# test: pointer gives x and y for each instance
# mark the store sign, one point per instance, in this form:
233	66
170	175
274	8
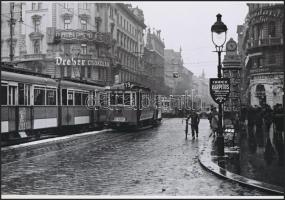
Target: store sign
81	62
80	35
265	15
220	89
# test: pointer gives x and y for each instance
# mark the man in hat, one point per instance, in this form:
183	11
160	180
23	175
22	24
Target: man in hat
195	119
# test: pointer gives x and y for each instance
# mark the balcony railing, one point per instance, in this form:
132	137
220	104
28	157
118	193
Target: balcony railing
265	42
84	12
67	11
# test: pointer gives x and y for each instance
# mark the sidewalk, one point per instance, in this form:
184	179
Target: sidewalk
256	159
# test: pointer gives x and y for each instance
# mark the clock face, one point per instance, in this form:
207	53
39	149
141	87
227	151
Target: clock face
231	46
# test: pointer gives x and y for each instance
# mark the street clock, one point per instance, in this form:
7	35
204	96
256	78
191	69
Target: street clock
231	45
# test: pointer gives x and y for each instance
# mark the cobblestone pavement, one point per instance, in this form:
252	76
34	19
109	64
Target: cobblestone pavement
157	161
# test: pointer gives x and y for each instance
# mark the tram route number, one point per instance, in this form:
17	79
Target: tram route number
119	119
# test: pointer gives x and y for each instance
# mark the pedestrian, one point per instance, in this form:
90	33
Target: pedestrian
267	116
194	120
214	121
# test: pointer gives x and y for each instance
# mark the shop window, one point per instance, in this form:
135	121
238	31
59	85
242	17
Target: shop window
67	23
70	98
39	96
64	97
272	29
78	98
66	48
51	97
4	94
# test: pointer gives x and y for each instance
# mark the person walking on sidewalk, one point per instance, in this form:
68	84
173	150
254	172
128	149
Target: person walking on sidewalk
214	121
195	119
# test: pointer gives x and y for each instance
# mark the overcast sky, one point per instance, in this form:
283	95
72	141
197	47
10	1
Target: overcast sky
188	24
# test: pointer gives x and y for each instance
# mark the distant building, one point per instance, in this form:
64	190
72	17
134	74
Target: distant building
177	77
262	41
154	62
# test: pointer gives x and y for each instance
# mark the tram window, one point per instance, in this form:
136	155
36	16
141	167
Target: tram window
12	95
133	99
70	98
4	94
84	98
51	97
127	99
120	98
39	96
78	98
103	99
21	94
112	99
27	94
64	97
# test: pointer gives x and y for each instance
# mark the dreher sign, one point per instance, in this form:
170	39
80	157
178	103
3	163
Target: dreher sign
220	89
81	62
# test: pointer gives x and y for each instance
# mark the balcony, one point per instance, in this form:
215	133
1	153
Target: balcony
270	41
67	12
84	13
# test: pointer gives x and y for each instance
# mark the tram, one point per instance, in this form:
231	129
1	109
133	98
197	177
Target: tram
33	103
132	106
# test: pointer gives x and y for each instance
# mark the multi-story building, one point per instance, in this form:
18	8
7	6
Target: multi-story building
130	41
263	46
87	41
154	62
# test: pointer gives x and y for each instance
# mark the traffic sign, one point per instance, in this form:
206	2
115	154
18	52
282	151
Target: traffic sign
220	89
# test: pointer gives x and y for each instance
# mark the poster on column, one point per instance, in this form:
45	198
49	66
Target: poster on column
219	89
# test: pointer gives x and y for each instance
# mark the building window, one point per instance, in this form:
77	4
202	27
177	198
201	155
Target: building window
65	5
271	29
36	46
66	23
84	6
84	48
83	24
37	24
66	48
111	15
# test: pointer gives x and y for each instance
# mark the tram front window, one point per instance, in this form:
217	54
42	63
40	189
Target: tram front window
127	99
120	98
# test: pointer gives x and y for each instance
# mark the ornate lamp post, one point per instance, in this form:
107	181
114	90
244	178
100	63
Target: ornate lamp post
219	35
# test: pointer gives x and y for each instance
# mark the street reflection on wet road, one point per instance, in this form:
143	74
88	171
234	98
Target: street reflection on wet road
157	161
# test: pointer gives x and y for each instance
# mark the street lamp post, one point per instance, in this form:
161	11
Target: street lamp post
219	35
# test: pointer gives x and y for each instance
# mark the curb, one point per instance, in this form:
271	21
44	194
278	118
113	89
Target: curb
28	150
206	162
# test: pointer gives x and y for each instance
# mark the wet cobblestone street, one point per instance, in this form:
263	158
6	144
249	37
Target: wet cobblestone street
157	161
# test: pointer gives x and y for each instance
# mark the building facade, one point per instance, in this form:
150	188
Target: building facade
96	42
154	62
263	45
129	48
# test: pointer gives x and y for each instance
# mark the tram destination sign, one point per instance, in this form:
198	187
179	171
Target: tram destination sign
220	89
